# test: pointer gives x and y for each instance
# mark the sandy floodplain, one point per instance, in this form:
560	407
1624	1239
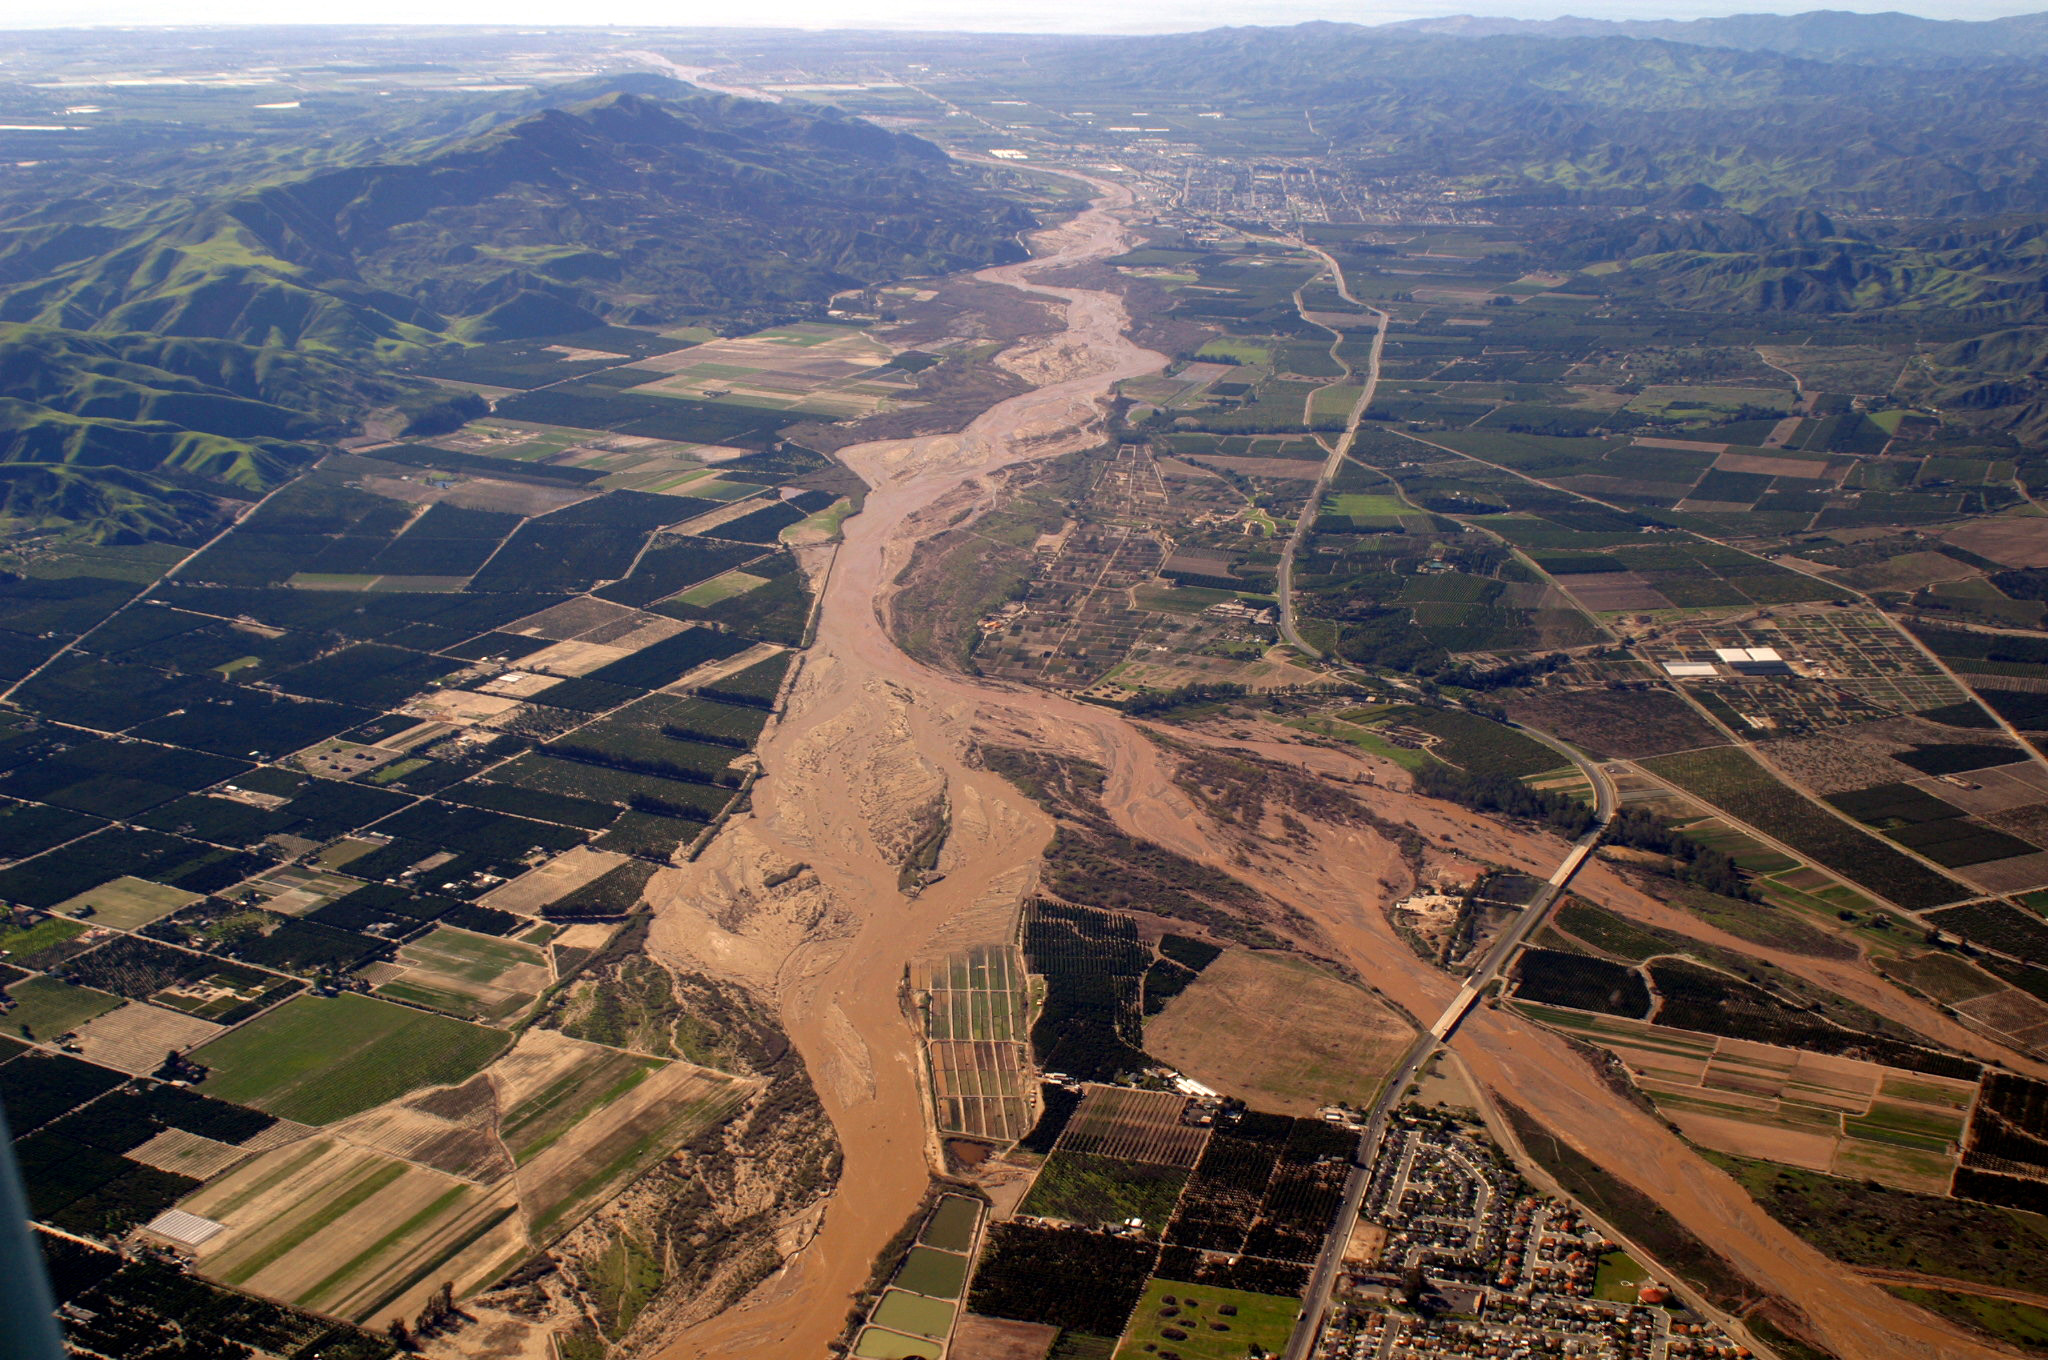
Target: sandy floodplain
872	745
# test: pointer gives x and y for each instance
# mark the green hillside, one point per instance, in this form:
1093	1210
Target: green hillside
206	344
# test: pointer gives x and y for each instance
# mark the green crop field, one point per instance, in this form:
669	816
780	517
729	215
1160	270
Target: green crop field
45	1008
126	903
319	1059
1100	1192
1191	1319
1244	351
721	588
23	942
1479	745
470	958
1356	505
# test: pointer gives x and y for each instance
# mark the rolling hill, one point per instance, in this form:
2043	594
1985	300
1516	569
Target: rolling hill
210	343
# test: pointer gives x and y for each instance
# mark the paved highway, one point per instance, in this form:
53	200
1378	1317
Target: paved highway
1489	967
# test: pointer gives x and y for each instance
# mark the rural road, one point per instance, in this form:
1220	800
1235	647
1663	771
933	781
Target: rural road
1305	521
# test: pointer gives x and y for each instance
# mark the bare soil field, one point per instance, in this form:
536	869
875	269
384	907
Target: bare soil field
1617	590
2014	542
400	483
573	658
1767	1142
464	707
2015	874
350	1232
135	1038
187	1154
1279	1033
571	618
1999	789
1770	467
984	1338
557	878
1296	469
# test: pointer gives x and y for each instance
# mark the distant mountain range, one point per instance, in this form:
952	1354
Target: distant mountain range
1828	34
1615	121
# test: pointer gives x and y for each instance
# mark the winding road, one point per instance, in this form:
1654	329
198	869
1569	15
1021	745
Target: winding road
1306	520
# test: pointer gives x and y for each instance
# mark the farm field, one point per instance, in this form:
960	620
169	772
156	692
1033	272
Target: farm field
1104	1192
364	1218
45	1008
530	893
474	977
317	1059
565	1174
135	1038
1279	1033
548	1080
1731	780
1139	1126
29	934
125	903
330	1226
1204	1322
1837	1115
976	995
1078	1281
977	1029
811	367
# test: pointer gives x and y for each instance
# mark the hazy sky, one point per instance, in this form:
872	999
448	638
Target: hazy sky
1073	16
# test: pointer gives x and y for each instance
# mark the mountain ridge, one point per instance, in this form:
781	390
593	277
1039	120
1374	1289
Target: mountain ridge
1830	34
220	338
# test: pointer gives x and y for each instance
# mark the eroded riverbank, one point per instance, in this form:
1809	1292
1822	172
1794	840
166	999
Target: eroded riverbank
873	742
